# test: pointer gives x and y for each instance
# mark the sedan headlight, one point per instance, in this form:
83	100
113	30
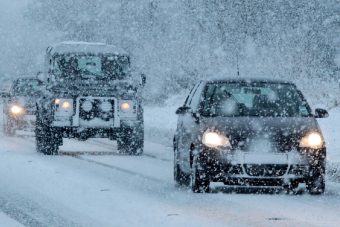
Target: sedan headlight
215	139
312	140
17	110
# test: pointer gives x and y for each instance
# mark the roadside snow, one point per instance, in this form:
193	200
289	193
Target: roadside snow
331	130
161	121
8	222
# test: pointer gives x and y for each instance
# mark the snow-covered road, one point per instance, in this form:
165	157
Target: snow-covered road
91	185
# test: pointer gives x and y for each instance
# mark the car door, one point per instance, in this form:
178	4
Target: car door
181	115
189	127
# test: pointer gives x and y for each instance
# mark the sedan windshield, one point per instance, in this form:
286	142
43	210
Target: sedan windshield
26	87
255	99
92	66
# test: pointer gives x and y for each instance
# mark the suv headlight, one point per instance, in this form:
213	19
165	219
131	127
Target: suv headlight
312	140
64	107
128	108
215	139
17	110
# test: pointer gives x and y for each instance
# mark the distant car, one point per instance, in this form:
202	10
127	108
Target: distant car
249	132
20	108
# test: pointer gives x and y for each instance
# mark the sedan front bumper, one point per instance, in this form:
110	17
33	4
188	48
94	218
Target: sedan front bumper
239	167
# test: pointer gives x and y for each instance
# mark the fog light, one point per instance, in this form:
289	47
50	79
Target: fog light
106	106
87	106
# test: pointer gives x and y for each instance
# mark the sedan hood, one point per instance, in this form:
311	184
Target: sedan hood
274	133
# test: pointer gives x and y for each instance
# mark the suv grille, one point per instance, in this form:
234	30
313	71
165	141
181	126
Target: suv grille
96	108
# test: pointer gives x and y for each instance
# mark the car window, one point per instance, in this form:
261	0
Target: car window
26	87
196	98
264	99
191	93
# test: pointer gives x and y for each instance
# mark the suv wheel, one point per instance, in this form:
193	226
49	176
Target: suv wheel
199	180
316	183
46	141
131	141
181	178
291	188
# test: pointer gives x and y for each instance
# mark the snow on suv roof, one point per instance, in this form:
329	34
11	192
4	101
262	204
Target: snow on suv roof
84	47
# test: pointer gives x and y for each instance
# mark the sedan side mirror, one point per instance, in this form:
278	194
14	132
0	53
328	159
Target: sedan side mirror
183	110
321	113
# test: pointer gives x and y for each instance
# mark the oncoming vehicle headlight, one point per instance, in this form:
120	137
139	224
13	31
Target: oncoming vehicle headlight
215	139
63	103
126	106
66	105
63	107
312	140
15	109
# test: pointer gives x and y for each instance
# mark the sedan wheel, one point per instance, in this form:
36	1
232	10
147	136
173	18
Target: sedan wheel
199	181
316	182
181	178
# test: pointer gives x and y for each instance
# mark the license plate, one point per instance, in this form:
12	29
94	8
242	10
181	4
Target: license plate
265	158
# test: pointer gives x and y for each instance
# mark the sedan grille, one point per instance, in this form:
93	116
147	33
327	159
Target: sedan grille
266	170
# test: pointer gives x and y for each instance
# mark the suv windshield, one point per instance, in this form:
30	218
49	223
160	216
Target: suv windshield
92	66
25	87
255	99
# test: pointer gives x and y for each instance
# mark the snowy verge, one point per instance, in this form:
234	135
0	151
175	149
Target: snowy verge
331	130
7	221
161	121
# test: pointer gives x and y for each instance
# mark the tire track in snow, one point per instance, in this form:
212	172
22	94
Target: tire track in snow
118	169
28	213
103	144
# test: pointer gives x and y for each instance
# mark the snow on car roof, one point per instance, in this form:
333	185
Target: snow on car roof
247	80
84	47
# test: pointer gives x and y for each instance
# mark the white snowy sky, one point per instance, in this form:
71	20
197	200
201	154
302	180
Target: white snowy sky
19	42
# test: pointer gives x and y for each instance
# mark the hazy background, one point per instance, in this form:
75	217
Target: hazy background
175	43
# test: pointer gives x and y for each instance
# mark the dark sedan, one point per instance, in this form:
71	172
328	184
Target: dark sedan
249	132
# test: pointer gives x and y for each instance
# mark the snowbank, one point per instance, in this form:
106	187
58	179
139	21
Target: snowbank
7	221
161	121
331	129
